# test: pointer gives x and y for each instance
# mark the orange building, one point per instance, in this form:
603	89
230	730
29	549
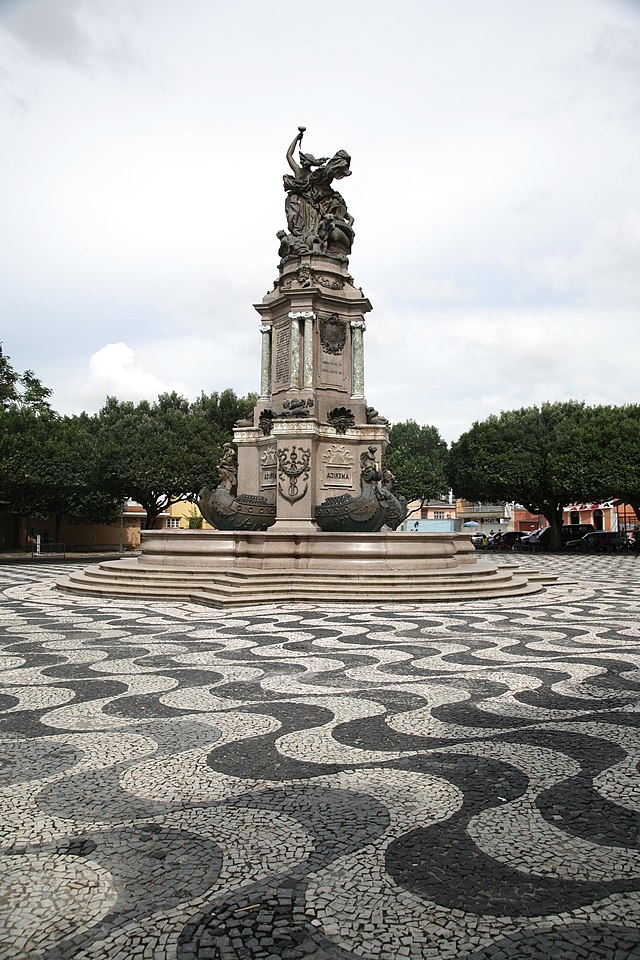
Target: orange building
606	515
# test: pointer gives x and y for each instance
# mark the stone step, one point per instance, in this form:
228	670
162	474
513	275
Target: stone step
257	579
122	568
242	587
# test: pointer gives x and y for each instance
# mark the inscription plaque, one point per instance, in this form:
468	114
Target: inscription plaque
332	368
268	468
337	476
282	359
269	477
337	467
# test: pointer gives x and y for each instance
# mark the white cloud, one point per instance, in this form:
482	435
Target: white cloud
115	371
74	33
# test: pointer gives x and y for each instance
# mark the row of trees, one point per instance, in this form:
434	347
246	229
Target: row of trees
548	457
84	466
159	453
544	458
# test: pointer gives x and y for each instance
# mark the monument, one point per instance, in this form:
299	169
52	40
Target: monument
312	455
304	507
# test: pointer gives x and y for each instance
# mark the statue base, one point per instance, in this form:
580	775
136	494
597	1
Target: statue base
235	568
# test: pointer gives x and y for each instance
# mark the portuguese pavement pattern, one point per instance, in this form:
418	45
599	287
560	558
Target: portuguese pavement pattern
451	780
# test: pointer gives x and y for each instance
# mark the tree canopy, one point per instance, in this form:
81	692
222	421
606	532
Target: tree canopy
156	453
21	390
417	457
548	457
48	467
163	452
616	452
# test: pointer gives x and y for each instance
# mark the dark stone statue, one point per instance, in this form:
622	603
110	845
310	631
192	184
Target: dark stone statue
228	469
317	216
223	507
374	417
375	507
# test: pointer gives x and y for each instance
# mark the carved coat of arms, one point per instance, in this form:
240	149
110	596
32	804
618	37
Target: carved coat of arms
333	334
294	468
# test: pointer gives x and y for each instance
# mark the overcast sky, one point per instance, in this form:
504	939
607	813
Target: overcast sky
496	193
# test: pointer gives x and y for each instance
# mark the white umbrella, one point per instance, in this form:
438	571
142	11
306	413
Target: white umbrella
471	523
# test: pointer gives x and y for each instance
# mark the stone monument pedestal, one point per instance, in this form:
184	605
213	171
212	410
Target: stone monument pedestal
235	568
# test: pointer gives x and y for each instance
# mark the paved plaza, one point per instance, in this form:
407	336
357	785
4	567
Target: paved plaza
328	782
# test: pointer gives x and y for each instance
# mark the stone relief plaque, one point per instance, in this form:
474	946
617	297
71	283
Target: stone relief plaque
337	467
333	334
268	468
282	357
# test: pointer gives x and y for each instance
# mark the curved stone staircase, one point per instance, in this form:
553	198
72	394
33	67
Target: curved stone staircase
222	587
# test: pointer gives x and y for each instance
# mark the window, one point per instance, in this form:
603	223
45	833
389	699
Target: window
172	522
438	514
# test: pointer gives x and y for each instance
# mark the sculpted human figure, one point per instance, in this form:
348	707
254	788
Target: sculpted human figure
388	478
317	216
228	468
369	470
299	207
374	417
336	236
285	246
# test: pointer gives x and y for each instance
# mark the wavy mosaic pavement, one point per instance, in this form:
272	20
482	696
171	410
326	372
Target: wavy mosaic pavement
392	782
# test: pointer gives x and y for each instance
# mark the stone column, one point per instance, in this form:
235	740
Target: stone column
265	365
302	378
295	351
357	358
307	350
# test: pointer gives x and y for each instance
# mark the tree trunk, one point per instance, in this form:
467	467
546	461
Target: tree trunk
635	506
554	516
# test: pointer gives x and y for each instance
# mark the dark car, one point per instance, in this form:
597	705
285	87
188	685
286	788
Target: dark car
526	537
541	539
599	541
509	540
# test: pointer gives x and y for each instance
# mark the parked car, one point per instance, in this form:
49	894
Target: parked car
526	537
530	542
599	541
509	540
541	539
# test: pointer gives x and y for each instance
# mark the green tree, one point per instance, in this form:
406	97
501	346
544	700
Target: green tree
163	452
541	457
225	409
616	452
83	467
48	467
21	390
417	456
